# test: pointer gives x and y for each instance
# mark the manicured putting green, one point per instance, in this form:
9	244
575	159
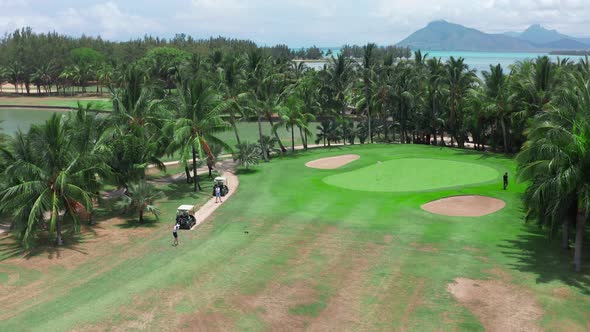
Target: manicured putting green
413	174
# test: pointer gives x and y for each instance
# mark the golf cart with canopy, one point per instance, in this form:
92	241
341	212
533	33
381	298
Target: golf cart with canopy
185	216
221	182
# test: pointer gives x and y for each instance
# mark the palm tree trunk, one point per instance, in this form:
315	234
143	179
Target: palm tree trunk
303	139
141	215
580	223
197	185
262	148
292	138
60	240
188	174
233	124
369	118
565	238
452	118
274	131
504	136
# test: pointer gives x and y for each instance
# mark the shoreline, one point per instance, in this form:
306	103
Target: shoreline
45	108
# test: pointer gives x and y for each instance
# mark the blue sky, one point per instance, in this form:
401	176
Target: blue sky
294	22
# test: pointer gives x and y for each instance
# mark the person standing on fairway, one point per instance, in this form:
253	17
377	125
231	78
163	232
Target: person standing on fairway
505	180
175	234
218	193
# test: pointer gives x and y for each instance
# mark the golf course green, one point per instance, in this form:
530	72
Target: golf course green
293	249
413	174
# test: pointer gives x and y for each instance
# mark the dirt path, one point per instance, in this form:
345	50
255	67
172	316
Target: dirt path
226	169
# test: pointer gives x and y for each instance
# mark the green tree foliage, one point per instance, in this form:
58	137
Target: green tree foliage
247	154
140	198
50	180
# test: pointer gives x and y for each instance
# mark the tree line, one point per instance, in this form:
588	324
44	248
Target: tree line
173	101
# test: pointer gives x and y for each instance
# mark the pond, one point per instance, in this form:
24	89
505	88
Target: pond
13	119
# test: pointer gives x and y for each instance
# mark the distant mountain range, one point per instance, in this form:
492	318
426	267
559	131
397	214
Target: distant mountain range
445	36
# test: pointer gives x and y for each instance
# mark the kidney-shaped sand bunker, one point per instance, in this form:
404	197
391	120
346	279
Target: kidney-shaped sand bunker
332	162
465	206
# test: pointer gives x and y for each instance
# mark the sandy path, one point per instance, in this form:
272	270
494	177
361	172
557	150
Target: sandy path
332	162
465	206
208	208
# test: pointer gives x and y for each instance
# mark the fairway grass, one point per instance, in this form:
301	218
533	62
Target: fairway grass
290	252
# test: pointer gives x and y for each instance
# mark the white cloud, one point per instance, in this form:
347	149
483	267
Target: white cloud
296	22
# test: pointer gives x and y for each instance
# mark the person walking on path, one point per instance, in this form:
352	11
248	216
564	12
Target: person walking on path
505	180
175	234
218	193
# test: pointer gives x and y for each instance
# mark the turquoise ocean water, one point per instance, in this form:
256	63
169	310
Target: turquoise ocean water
479	61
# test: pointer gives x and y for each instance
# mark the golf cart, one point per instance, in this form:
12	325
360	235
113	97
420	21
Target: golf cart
185	216
221	182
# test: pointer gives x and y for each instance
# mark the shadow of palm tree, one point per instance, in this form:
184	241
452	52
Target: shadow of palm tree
10	246
535	253
132	223
244	171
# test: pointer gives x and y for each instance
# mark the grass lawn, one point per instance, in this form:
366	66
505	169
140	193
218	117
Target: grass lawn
291	251
67	102
248	132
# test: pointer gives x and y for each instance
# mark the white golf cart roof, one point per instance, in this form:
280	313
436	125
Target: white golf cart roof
220	178
185	208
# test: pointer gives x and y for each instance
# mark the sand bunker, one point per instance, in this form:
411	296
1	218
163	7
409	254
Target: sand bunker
498	305
465	206
332	162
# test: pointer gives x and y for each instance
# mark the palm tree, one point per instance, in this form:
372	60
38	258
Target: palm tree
199	119
48	175
459	79
267	87
498	94
137	138
256	63
15	74
340	75
140	198
535	84
231	76
292	115
368	73
328	132
247	154
435	92
556	160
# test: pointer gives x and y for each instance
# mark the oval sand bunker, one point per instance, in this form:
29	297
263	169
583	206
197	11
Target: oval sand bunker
332	162
465	206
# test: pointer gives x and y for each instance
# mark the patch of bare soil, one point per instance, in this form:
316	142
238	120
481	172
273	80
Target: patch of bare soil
332	162
499	305
343	310
465	206
98	242
423	247
205	321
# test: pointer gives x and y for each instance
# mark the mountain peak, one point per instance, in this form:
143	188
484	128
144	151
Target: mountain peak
439	22
539	28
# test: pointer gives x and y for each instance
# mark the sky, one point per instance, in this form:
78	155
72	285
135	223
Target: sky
297	23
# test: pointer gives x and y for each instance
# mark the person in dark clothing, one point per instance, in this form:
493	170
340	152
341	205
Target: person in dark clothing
505	180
